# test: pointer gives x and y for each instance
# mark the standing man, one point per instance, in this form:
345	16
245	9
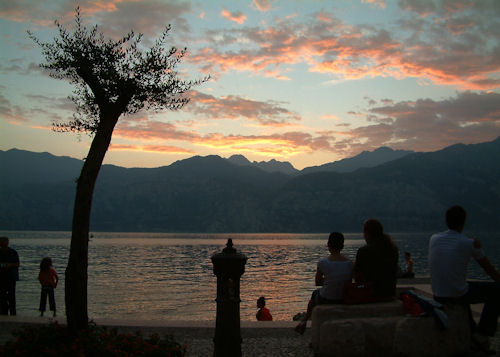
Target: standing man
449	255
9	274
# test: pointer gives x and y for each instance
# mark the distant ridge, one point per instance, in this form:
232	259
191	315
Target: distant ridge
268	166
213	194
363	160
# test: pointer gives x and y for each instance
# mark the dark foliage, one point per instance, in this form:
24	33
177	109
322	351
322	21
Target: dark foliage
113	73
56	340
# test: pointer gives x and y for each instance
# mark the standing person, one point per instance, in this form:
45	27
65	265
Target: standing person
449	255
377	261
332	273
48	279
263	314
9	275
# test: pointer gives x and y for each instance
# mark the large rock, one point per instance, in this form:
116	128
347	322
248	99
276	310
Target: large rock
384	329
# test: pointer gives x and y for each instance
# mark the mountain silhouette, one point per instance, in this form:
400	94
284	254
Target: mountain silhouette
213	194
363	160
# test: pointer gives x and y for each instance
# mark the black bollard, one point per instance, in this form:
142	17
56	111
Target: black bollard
229	266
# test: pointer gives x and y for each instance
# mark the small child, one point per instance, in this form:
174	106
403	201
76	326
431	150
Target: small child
263	314
48	279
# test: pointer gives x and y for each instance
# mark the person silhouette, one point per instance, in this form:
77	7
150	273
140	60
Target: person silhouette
332	273
9	275
377	261
449	255
48	279
263	314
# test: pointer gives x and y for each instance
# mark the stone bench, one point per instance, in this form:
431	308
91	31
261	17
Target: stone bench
385	329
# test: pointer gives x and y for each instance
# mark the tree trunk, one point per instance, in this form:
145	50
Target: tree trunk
76	271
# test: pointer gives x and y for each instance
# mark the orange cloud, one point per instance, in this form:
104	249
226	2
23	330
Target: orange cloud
330	117
379	3
443	50
262	5
283	145
151	130
151	148
324	16
237	17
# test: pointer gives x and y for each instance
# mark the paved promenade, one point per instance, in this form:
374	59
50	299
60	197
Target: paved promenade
260	339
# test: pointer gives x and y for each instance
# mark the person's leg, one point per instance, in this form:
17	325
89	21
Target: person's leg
4	303
43	301
462	302
489	294
52	300
12	298
301	327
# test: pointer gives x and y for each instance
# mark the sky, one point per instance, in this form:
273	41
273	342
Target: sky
308	82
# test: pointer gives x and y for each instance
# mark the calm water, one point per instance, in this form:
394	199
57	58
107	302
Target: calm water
170	277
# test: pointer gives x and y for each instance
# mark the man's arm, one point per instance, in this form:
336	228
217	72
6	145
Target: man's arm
485	263
489	268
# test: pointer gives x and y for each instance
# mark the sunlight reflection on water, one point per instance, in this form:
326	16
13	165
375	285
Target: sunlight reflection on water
170	277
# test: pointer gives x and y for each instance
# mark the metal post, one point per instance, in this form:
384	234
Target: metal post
229	266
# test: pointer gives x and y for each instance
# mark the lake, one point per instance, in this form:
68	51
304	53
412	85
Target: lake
169	276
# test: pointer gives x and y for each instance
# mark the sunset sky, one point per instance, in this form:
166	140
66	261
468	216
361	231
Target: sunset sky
308	82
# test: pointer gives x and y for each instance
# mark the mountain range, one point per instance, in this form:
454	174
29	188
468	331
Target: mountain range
406	191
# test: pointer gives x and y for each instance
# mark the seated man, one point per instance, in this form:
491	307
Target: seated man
449	255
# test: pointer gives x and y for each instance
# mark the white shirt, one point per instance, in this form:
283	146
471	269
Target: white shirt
336	273
449	255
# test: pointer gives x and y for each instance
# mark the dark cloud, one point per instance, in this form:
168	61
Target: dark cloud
155	16
426	124
235	107
62	103
11	113
116	18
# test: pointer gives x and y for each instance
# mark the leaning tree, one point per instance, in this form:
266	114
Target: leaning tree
111	78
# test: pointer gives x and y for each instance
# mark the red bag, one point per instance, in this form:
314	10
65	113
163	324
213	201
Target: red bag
359	293
411	306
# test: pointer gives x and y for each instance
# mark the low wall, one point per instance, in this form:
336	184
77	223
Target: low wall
386	329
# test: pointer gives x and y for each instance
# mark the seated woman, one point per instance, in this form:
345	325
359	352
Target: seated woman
332	273
377	261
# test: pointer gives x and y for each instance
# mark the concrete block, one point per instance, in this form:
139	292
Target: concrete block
420	336
356	337
323	313
341	338
385	329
